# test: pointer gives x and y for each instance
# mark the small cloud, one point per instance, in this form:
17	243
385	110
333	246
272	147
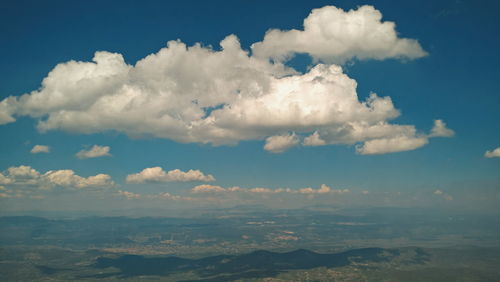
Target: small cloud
445	196
40	149
391	145
129	195
281	143
22	172
323	189
157	174
204	188
493	154
448	197
440	130
94	152
260	190
404	138
168	196
314	140
4	179
160	196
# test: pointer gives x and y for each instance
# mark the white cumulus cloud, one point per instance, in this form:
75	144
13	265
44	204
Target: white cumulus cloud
281	143
391	145
4	179
314	140
22	172
24	180
493	154
204	188
40	149
176	94
68	178
157	174
440	130
333	35
94	152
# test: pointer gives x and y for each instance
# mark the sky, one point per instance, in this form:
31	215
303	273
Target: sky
109	105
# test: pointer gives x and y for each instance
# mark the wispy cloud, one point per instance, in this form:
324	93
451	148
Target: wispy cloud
40	149
324	189
445	196
95	152
129	195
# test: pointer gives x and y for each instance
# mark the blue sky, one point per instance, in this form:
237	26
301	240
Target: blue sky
455	82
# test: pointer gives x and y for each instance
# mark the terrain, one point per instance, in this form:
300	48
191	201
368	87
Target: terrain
367	264
263	245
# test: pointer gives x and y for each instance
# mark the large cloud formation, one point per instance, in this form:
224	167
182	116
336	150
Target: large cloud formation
198	94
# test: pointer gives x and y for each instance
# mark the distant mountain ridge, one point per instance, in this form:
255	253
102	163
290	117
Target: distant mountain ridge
259	263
